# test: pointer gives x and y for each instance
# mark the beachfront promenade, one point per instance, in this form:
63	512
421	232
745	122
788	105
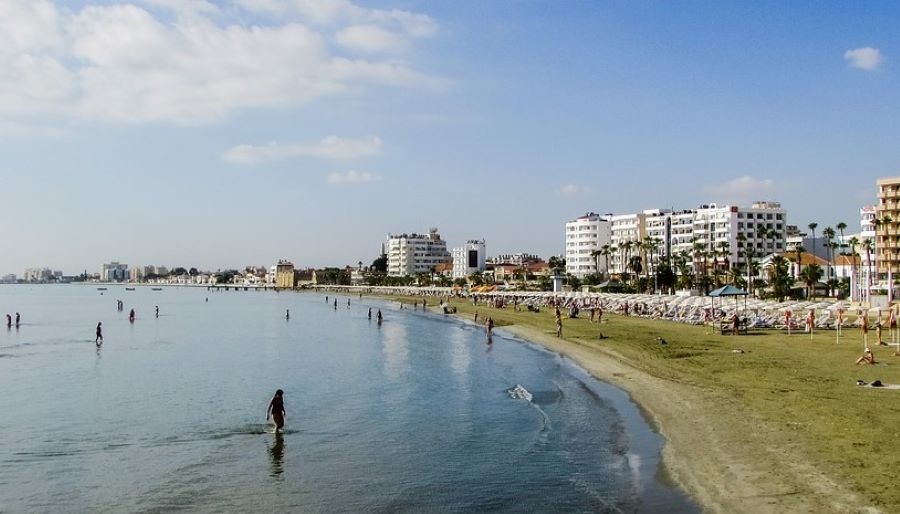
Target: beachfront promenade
765	422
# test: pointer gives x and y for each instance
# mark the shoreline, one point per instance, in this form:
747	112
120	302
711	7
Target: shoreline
702	457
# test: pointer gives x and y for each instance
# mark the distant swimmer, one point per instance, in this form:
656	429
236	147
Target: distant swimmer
131	316
99	339
287	314
157	311
370	313
276	410
378	317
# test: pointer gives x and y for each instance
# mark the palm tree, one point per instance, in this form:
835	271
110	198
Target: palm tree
626	248
799	250
841	226
869	247
811	275
725	253
762	233
812	228
828	234
854	242
596	255
605	250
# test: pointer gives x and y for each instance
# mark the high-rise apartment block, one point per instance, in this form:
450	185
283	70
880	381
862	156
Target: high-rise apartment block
409	254
585	235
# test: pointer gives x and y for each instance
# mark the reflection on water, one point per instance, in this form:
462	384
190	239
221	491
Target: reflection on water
276	456
396	351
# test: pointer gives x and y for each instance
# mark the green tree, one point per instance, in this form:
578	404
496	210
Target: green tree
811	276
380	264
557	264
780	278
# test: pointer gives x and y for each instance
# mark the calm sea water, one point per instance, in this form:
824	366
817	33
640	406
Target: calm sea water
413	416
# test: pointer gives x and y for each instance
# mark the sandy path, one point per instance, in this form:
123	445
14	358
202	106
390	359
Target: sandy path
726	468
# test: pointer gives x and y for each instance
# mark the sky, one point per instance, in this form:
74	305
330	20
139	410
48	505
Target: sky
219	134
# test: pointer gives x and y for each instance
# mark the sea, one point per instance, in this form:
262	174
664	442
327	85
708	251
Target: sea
418	414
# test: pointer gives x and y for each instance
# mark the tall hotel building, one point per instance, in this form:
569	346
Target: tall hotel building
585	235
887	226
409	254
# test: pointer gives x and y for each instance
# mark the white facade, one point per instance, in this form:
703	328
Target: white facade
468	259
37	275
625	230
114	272
585	235
715	225
516	259
409	254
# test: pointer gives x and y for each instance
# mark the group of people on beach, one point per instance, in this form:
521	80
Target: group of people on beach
9	321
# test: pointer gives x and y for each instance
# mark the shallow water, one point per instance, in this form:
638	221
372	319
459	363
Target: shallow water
412	416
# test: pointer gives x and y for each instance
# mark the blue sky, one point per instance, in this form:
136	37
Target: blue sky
221	134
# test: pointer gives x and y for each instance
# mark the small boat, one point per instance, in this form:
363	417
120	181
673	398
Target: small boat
156	289
129	289
101	289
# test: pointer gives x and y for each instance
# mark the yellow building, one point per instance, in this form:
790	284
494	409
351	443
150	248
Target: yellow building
284	274
887	226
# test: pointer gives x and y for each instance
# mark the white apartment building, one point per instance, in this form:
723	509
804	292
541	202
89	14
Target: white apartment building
409	254
625	230
515	259
469	258
37	275
673	232
585	235
114	272
715	225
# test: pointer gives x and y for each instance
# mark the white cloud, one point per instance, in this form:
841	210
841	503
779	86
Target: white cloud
867	58
741	190
572	190
122	63
369	39
351	177
332	147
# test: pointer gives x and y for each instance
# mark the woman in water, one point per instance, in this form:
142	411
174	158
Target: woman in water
276	410
99	340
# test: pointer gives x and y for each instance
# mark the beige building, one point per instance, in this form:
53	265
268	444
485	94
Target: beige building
284	274
887	226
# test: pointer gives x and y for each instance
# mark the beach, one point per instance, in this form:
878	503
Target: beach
780	427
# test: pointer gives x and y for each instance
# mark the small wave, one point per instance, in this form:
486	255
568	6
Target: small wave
519	393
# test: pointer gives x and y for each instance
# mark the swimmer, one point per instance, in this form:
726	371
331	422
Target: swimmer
99	339
276	410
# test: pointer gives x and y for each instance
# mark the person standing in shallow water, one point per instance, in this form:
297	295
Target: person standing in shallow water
99	339
131	316
378	317
370	313
335	304
287	314
18	319
276	410
8	321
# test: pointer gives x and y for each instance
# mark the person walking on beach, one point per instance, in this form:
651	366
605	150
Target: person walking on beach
99	339
276	410
131	316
